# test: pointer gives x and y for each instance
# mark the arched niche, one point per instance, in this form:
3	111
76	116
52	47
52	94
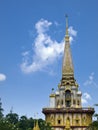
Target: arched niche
68	98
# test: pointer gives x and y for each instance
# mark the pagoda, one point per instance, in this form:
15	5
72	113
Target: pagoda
65	111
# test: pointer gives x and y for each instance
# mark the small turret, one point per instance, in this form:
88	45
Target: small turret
36	126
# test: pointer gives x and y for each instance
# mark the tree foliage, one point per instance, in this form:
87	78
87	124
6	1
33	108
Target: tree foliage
12	121
5	125
93	126
12	118
1	110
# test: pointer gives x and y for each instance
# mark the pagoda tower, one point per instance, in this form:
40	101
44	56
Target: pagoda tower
65	111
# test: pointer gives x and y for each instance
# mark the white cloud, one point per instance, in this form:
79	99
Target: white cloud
26	53
72	33
42	26
85	98
2	77
84	101
90	81
56	23
45	50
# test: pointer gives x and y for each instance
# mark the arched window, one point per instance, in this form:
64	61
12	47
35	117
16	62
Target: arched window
78	103
59	121
58	103
68	98
62	101
77	119
74	102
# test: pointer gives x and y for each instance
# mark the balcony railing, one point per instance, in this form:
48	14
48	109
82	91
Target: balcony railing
68	110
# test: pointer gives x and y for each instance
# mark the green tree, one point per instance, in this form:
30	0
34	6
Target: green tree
44	125
12	118
23	123
96	115
12	122
1	110
93	126
5	125
30	123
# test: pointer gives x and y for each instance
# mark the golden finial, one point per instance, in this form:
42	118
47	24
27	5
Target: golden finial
66	35
66	25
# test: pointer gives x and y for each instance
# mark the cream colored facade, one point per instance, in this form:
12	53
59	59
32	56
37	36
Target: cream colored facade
69	120
65	111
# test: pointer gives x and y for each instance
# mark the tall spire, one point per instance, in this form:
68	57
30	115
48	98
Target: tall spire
67	67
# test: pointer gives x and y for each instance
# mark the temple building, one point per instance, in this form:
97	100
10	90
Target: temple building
65	111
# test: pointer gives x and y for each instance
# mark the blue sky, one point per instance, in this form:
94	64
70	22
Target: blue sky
31	49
